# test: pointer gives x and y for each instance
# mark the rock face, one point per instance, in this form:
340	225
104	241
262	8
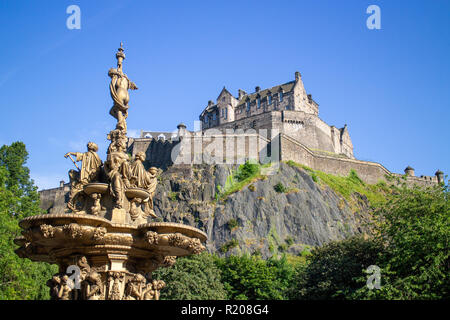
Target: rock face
257	218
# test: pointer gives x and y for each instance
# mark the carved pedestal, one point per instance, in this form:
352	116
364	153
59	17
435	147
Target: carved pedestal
101	259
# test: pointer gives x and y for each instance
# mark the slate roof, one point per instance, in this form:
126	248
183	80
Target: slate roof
287	87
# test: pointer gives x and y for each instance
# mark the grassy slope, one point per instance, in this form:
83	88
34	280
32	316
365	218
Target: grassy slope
347	186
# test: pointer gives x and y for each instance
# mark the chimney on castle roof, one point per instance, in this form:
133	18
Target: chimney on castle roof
257	89
210	103
298	76
241	94
61	184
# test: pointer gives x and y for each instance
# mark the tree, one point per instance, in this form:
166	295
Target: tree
19	278
192	278
414	227
332	270
252	278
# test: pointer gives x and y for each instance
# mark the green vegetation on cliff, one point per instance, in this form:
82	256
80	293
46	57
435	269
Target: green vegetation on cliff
244	175
347	186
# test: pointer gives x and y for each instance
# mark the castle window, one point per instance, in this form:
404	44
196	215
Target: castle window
269	99
259	103
248	105
214	117
206	119
226	113
281	96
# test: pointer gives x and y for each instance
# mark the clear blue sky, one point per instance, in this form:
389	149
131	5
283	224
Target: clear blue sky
390	86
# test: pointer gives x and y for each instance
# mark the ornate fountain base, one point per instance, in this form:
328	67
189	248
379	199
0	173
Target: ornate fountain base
100	259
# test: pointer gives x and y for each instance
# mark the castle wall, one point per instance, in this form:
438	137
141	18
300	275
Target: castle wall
54	200
306	128
369	172
210	146
157	152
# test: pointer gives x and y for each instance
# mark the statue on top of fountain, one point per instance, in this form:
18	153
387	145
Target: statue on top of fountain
119	86
126	185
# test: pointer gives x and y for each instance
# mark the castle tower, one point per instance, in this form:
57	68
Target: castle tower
409	171
181	129
301	99
440	176
225	106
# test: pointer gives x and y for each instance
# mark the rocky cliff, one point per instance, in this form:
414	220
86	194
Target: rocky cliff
285	211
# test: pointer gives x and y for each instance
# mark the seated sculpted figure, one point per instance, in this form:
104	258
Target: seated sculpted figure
91	163
144	179
89	172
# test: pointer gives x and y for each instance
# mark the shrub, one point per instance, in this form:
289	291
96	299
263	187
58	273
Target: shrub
173	196
196	277
280	188
253	278
247	170
231	224
229	245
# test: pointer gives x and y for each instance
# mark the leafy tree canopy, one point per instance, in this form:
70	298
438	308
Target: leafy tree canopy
192	278
414	227
19	278
332	270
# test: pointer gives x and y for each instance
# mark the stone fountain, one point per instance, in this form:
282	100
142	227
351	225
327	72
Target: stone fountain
106	245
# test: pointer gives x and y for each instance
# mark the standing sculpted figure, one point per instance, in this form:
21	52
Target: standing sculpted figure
117	168
119	86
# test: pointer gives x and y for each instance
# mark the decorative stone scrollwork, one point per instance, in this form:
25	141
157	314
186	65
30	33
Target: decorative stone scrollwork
192	244
73	230
152	237
47	230
176	239
28	235
99	233
169	261
116	282
195	246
